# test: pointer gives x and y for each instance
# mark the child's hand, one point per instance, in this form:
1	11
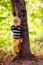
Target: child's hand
21	40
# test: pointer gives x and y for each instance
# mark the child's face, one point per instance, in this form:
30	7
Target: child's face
18	23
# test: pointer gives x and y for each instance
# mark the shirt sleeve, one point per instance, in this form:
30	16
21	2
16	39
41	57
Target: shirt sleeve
12	27
21	32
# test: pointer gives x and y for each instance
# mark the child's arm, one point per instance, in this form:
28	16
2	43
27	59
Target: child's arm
21	34
12	27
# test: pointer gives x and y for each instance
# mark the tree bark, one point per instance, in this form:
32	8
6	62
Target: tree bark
19	9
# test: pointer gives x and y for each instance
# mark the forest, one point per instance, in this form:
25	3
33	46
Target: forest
35	26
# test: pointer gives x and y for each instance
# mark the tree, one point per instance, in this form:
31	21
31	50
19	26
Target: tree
19	9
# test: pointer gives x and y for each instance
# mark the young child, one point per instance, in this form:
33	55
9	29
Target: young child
17	36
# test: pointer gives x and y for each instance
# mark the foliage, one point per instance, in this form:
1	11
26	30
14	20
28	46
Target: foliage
35	24
5	25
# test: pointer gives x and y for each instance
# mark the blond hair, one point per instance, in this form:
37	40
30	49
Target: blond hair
16	19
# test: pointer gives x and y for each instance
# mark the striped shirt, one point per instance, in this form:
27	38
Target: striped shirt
17	31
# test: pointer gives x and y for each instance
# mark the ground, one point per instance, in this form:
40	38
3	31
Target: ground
7	61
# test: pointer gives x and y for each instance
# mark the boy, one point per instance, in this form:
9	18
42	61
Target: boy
17	36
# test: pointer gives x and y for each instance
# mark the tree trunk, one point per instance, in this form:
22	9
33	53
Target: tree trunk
19	9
